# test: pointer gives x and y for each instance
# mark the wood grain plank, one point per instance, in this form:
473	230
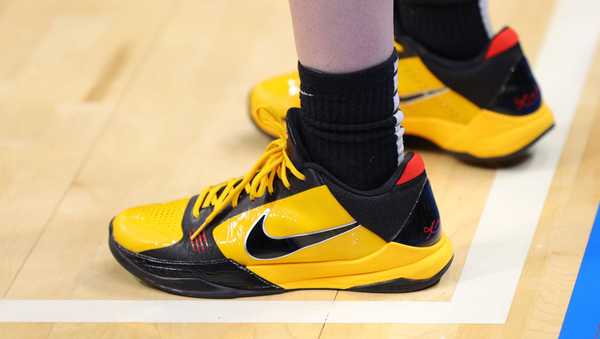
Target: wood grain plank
47	128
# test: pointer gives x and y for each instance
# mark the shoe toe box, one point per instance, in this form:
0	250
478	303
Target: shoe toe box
149	227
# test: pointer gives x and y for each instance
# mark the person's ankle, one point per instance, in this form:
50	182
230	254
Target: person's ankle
350	123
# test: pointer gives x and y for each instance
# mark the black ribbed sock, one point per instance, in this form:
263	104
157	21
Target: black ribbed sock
454	29
349	123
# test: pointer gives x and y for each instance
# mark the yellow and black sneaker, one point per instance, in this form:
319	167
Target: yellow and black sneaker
288	225
488	109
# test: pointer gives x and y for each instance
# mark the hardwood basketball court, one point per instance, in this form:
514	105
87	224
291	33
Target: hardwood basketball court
108	104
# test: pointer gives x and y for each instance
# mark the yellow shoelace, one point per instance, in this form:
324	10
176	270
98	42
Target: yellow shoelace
260	179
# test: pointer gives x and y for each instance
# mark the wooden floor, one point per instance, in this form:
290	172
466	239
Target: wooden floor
107	103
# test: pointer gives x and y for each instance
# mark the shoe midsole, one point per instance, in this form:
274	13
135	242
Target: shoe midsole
392	261
488	135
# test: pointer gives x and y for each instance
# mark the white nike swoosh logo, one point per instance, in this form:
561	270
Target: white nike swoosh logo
420	96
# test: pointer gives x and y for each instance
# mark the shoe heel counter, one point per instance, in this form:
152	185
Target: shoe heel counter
401	211
520	94
423	227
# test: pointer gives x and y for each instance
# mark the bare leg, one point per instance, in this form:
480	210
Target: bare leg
350	119
341	36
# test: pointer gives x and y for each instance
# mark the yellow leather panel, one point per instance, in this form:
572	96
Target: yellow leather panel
308	212
149	227
392	261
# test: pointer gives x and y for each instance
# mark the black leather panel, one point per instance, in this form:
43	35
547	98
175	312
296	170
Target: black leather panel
386	213
503	83
423	227
221	272
479	81
520	95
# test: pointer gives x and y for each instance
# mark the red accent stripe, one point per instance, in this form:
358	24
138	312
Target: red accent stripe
502	42
203	241
199	243
413	169
193	243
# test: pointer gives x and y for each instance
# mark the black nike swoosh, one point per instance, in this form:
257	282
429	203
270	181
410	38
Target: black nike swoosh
262	246
409	99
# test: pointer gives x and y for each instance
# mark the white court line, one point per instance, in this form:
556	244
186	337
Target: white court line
498	251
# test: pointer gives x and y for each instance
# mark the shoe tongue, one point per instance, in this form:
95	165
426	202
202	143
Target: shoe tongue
503	41
295	148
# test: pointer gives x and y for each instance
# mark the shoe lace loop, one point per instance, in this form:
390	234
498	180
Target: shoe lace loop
274	163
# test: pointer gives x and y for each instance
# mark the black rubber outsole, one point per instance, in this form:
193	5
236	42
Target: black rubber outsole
200	288
402	285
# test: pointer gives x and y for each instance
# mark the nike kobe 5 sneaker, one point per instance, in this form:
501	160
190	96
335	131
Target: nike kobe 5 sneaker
487	109
287	225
